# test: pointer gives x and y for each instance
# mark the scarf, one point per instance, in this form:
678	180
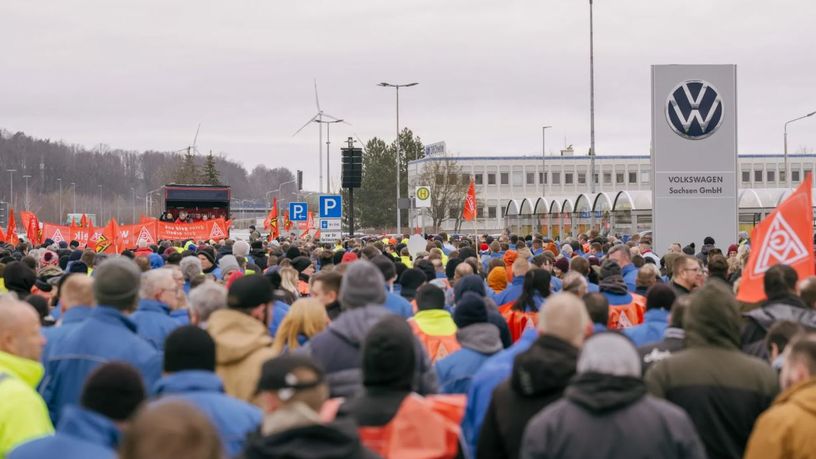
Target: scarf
613	284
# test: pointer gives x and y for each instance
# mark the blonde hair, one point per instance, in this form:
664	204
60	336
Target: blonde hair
289	280
307	317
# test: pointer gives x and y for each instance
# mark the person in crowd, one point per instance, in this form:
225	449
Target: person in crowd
337	348
674	337
535	290
189	375
410	280
228	264
645	246
240	333
718	268
305	269
306	318
685	270
475	284
782	303
292	392
433	325
497	279
325	288
777	339
708	245
393	301
625	308
394	420
539	377
478	339
575	283
23	414
208	266
722	389
289	284
659	301
108	334
205	300
171	429
110	396
190	268
807	291
597	306
785	430
159	295
620	254
608	391
581	266
510	294
19	279
76	302
648	275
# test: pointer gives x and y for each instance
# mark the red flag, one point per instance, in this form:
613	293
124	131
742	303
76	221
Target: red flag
287	224
271	222
11	230
785	236
83	222
108	239
32	226
2	236
470	203
308	225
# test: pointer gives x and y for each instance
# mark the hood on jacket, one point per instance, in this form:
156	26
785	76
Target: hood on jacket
89	426
480	337
338	439
544	368
236	335
353	324
188	381
789	299
28	371
766	316
598	392
712	318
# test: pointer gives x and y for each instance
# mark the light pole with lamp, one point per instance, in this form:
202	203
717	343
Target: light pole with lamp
11	186
60	200
99	217
73	186
543	159
591	103
27	201
787	168
397	87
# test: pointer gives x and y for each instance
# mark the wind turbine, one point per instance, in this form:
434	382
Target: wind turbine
321	118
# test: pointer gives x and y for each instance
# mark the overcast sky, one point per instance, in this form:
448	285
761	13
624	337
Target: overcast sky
142	74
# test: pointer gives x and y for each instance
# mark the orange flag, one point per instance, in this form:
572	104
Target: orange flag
271	222
108	241
470	203
2	236
32	226
785	236
11	230
287	224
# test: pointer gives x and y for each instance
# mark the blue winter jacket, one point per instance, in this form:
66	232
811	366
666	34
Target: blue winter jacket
511	293
233	418
81	434
398	305
492	372
479	342
153	322
651	330
555	284
592	288
106	335
70	320
616	299
279	311
629	273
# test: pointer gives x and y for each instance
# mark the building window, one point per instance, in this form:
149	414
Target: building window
440	179
758	175
644	176
568	178
607	177
480	212
581	178
505	178
746	176
633	177
556	178
771	176
596	178
542	177
782	175
491	212
517	178
531	178
478	179
503	211
806	172
491	179
619	177
795	176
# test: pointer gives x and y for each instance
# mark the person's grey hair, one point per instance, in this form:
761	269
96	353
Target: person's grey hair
621	248
154	281
190	267
574	281
208	298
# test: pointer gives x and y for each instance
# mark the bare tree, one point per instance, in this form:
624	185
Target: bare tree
448	187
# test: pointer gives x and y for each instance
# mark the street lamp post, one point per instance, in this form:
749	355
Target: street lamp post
133	205
11	186
99	216
73	186
397	87
27	202
591	103
543	159
60	199
787	168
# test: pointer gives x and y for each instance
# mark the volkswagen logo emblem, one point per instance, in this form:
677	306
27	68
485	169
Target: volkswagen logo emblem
694	109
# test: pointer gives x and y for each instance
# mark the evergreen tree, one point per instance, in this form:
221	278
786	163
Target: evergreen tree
210	174
187	171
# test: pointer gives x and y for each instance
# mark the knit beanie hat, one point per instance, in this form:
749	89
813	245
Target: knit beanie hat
240	248
450	268
610	268
509	258
227	263
410	280
362	284
389	358
116	282
156	261
301	263
469	310
292	253
497	279
189	348
609	353
78	267
660	296
471	283
249	292
562	264
19	278
348	257
114	390
48	258
206	254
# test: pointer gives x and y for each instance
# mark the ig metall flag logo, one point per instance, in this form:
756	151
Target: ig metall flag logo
694	109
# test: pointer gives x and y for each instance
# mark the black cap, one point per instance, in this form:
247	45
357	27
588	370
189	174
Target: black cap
278	374
189	348
114	390
249	292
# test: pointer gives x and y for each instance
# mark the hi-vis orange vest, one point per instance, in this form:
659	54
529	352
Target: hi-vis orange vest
437	347
423	428
627	315
518	321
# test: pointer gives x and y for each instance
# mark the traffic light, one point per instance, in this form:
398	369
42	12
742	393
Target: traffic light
352	167
300	180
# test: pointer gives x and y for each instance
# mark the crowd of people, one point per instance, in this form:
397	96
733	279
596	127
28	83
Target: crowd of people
488	347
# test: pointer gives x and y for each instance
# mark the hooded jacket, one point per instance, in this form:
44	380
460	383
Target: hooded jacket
338	350
605	416
478	341
70	320
106	335
655	322
786	429
759	321
722	389
154	322
242	345
233	418
81	434
335	440
23	415
539	377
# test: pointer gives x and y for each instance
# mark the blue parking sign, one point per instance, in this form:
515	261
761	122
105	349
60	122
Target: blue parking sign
297	211
331	206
